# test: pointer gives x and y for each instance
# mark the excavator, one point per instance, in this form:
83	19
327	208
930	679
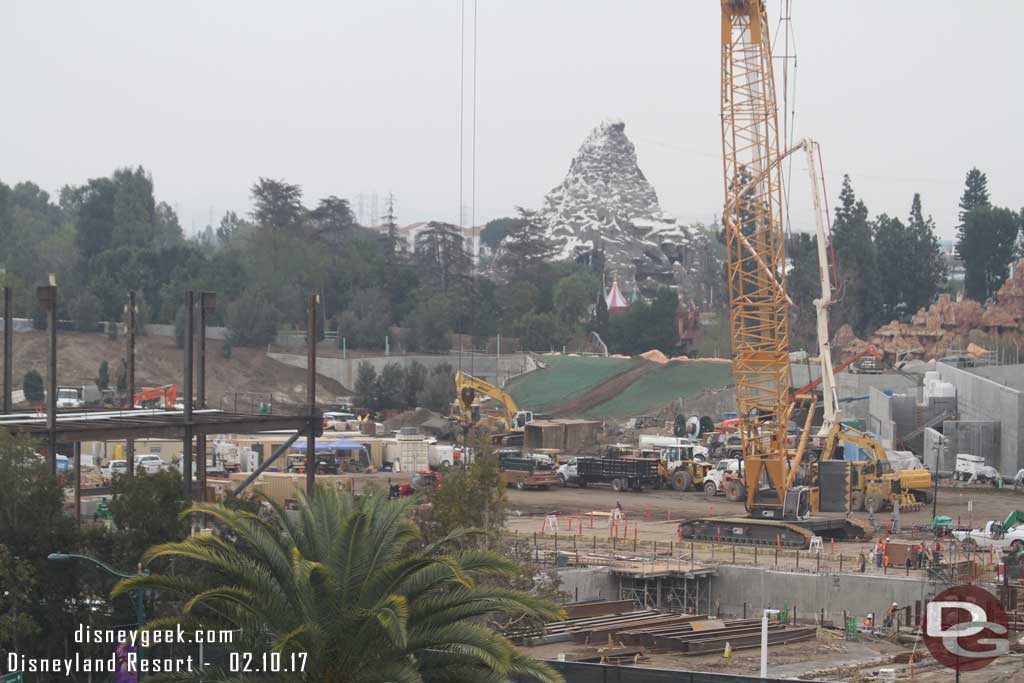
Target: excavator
468	389
779	512
154	397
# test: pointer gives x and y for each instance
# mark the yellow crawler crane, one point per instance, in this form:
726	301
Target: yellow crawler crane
778	513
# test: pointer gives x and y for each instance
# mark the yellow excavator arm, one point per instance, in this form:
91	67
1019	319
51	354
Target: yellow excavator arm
468	387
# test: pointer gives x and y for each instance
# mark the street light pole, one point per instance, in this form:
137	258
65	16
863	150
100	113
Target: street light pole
136	596
764	641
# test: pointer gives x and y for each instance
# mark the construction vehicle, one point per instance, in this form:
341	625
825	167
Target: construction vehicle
157	397
468	389
681	467
726	477
525	472
778	511
627	473
1006	534
874	484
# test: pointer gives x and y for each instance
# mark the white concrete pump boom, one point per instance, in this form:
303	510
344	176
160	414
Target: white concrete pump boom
821	304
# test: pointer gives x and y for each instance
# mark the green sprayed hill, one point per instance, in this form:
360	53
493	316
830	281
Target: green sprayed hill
634	386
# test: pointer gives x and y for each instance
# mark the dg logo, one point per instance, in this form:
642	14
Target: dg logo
965	628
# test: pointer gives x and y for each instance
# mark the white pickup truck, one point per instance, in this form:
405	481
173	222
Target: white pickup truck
994	534
717	480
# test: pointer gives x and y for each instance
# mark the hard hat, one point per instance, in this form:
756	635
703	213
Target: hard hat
895	604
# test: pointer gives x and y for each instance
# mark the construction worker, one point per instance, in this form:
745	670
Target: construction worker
890	615
879	552
868	619
862	561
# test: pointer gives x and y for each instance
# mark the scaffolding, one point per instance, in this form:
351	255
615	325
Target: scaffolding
688	593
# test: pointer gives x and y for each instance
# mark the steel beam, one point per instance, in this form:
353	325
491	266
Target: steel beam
186	456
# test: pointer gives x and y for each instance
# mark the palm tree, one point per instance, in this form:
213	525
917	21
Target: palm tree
351	583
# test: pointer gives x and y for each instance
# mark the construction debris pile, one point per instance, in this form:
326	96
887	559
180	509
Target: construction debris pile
948	326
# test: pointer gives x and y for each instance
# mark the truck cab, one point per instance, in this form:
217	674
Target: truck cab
69	398
727	470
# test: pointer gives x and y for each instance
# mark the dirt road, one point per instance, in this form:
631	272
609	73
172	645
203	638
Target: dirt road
988	503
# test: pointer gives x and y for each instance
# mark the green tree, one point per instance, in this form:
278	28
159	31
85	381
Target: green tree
498	229
390	385
438	390
32	525
893	247
803	283
428	326
987	244
252	320
32	385
146	511
85	311
277	204
573	297
332	220
350	585
472	498
365	322
525	248
367	388
856	263
413	382
441	254
539	332
103	375
975	193
928	270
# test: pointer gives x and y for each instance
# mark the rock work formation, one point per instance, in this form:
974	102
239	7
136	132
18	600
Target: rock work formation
606	202
949	326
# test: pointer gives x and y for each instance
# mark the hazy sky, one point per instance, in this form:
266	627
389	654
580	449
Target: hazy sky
349	97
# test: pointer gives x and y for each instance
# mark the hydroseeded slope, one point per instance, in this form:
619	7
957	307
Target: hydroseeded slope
565	378
653	391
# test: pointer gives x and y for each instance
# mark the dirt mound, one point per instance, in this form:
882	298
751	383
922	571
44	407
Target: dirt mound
231	383
655	356
605	391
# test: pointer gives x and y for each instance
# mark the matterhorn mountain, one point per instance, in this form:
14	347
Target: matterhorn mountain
605	203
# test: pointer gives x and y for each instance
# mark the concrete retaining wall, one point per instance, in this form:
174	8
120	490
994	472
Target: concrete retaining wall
857	594
588	583
980	398
486	367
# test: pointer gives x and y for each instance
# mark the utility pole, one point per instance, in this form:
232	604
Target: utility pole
314	415
8	349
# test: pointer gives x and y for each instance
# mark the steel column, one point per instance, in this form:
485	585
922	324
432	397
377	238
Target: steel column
130	372
311	396
47	296
186	457
8	349
78	481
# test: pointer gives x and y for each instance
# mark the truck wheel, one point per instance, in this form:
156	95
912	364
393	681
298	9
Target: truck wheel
616	485
710	490
874	503
856	501
561	480
682	481
969	545
1016	545
734	490
521	484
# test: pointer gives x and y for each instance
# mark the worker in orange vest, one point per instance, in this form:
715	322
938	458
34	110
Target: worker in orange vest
890	615
868	619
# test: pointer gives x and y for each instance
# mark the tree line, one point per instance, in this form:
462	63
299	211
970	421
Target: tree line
889	268
110	236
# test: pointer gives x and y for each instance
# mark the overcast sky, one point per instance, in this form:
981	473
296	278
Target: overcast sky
349	97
